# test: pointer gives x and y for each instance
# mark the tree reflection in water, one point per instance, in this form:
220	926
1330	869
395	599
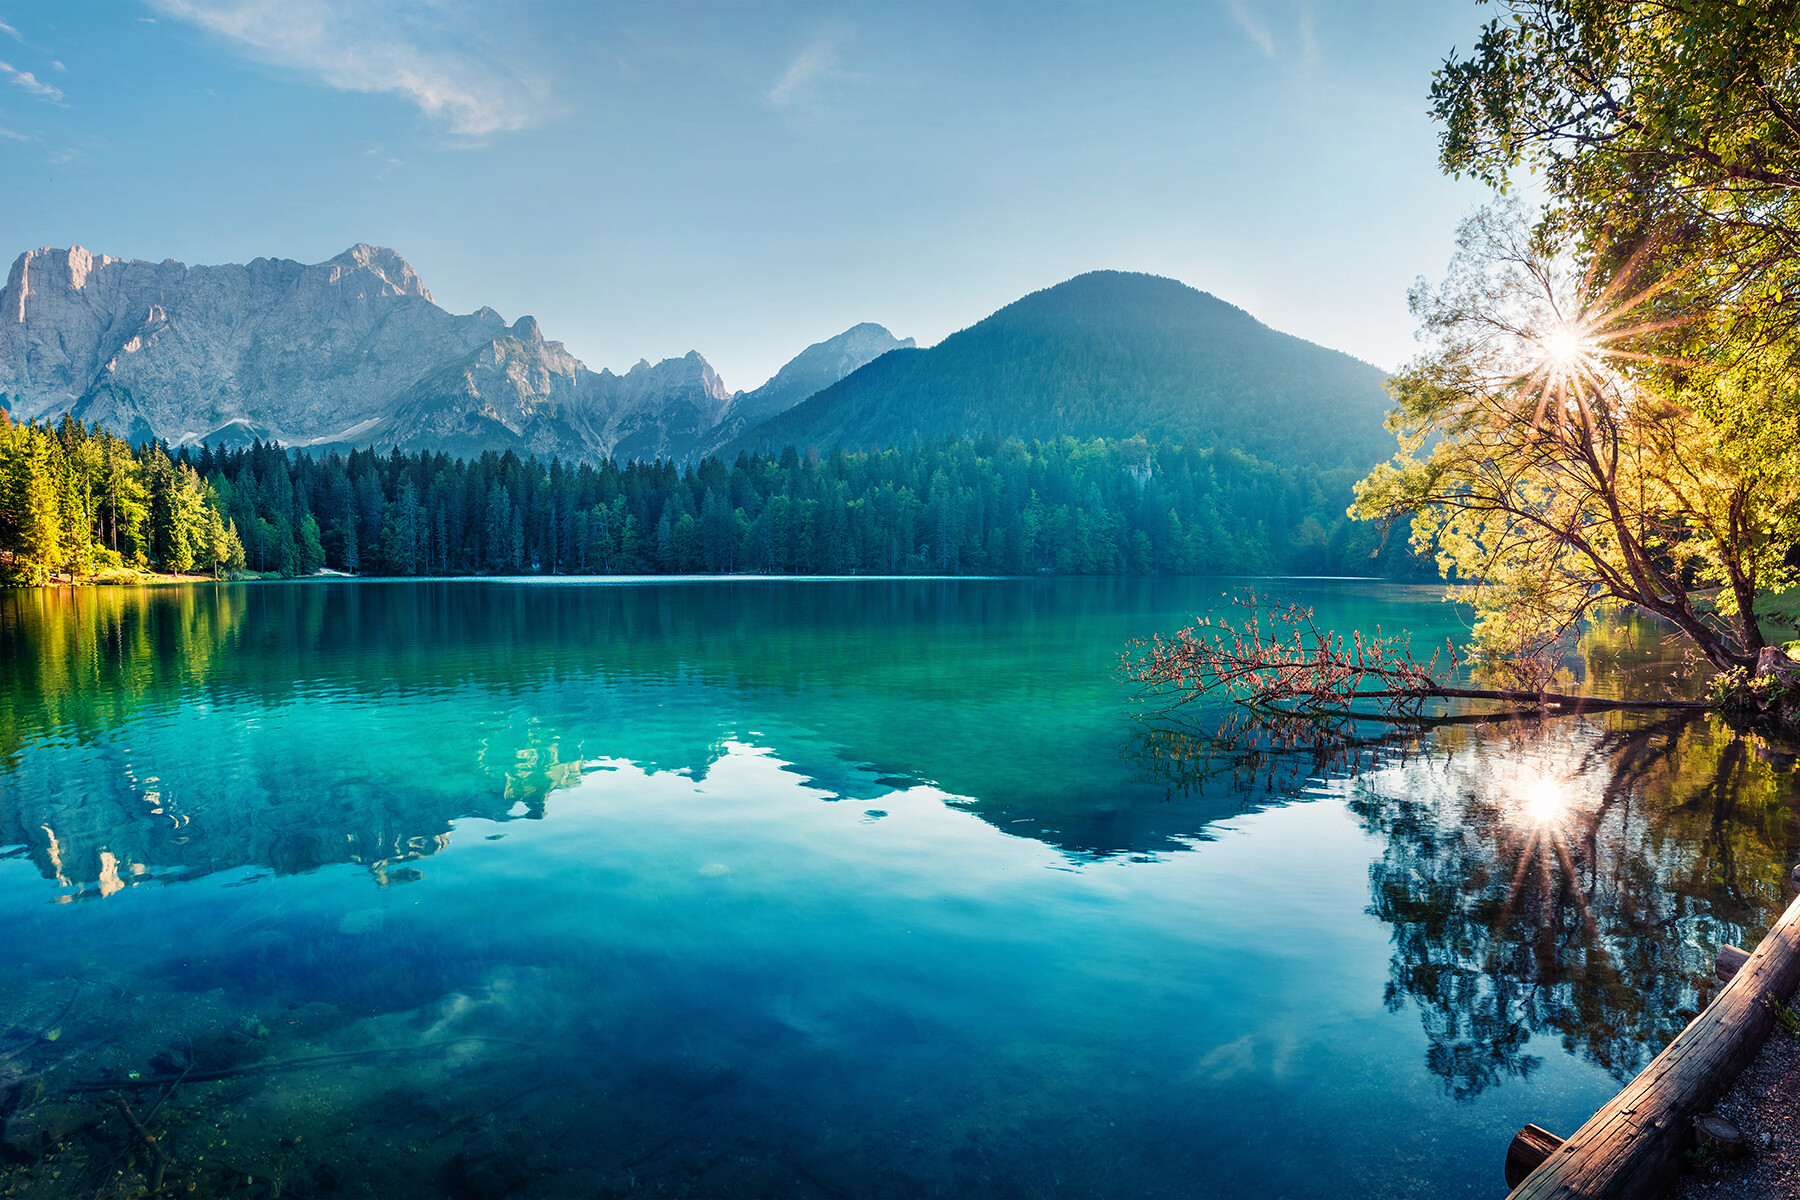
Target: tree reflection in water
1570	877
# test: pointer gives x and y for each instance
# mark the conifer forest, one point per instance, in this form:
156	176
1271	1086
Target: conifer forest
80	502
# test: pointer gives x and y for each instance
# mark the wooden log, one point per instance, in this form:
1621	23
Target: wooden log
1633	1146
1731	960
1530	1146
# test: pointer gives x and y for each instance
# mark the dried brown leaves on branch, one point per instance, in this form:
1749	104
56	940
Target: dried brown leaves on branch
1273	656
1266	656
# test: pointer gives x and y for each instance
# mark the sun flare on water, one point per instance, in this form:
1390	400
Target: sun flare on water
1542	800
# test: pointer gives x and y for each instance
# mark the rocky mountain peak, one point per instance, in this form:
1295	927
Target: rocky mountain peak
349	352
393	271
812	370
47	269
834	358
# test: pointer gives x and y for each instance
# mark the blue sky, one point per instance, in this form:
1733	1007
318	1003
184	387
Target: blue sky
746	179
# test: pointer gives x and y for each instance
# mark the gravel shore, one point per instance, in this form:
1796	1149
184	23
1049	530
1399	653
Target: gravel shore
1765	1104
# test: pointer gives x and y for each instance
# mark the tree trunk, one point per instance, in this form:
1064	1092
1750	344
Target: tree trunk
1632	1148
1530	1147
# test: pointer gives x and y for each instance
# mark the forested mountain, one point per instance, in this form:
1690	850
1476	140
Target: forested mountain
812	370
1114	355
349	352
80	501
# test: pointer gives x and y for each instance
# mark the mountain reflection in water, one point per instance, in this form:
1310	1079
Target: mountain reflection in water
291	726
872	888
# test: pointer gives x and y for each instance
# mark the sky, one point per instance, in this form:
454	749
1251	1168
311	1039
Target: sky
747	179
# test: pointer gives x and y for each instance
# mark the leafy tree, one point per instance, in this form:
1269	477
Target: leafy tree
30	511
124	503
75	499
222	550
176	523
403	533
1611	407
1672	124
1552	480
346	527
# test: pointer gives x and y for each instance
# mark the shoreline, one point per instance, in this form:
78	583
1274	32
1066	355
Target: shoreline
1764	1103
154	579
1638	1143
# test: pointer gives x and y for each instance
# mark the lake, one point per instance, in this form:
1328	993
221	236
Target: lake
763	887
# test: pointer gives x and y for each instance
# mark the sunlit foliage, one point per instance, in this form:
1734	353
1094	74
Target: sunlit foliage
1544	472
79	502
1673	123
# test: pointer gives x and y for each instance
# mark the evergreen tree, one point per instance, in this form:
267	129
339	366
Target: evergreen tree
312	552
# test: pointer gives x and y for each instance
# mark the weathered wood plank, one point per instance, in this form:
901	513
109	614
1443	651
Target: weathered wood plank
1632	1147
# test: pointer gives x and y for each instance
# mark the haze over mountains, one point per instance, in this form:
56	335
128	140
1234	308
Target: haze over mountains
353	352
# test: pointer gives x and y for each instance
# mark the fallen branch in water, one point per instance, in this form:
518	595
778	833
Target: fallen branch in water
159	1161
157	1107
1276	657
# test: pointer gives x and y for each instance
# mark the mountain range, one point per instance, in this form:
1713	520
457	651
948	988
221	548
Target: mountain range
354	352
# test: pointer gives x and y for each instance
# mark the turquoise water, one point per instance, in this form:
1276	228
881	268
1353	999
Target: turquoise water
795	888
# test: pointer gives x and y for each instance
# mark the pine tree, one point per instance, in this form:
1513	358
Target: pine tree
217	549
312	553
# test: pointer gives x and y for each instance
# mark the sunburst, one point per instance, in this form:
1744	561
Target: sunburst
1576	337
1542	801
1545	808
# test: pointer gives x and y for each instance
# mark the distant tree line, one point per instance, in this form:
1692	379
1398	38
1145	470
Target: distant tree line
80	501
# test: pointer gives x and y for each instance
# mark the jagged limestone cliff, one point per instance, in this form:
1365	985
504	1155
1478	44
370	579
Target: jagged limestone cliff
350	352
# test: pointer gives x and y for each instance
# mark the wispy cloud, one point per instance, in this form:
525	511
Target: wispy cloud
14	135
1252	25
376	49
9	31
30	82
1270	29
56	65
818	62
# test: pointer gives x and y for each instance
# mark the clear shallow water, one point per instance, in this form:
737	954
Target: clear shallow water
814	888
